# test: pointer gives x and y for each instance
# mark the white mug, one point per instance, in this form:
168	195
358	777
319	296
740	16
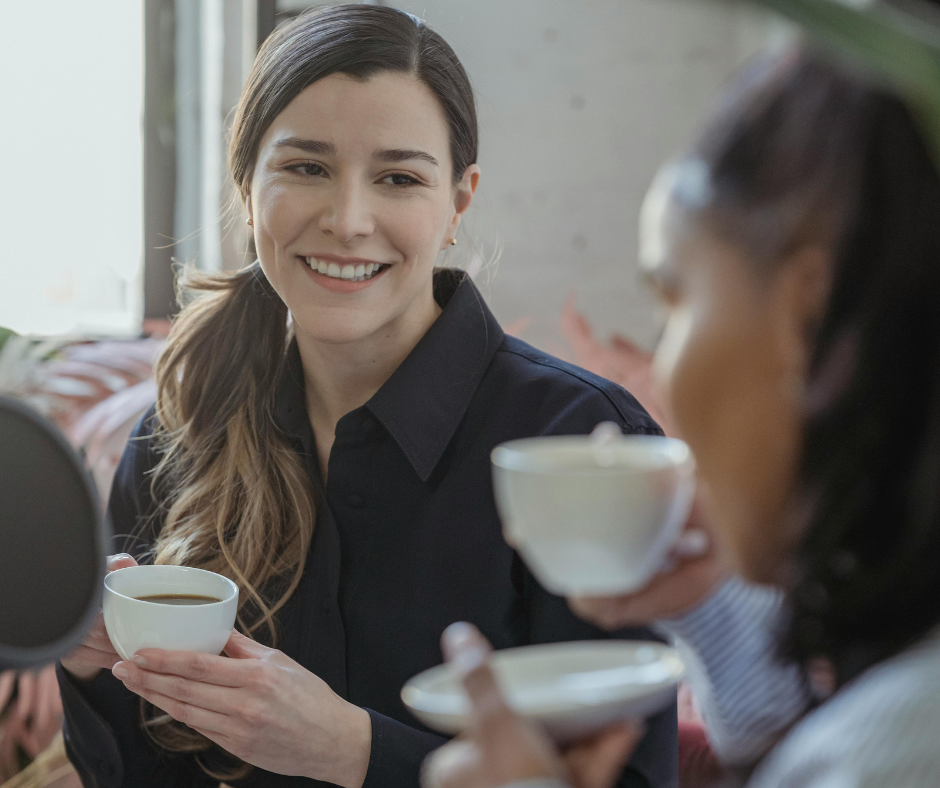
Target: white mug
134	624
590	518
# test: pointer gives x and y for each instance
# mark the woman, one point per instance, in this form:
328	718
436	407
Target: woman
322	436
798	252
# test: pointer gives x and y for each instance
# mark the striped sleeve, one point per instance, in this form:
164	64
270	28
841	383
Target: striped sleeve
748	696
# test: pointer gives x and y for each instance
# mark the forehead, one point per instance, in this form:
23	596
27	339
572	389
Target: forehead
387	111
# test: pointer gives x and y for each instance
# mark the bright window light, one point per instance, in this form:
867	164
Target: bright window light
71	81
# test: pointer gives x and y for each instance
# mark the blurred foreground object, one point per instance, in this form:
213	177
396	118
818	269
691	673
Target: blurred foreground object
899	38
53	538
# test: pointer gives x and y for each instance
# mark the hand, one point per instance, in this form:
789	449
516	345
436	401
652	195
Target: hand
96	651
33	719
260	706
690	574
500	747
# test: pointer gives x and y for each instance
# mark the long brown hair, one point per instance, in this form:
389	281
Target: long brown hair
234	497
811	152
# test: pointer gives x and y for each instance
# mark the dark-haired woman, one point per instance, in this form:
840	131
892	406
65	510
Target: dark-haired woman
798	251
322	436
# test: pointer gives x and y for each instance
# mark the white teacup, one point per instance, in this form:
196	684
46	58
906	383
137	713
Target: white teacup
589	518
134	624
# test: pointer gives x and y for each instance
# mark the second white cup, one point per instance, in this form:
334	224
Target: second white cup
593	519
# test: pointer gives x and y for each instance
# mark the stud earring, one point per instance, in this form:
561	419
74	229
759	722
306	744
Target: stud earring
248	222
453	241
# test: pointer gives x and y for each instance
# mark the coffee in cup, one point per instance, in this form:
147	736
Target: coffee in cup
177	608
589	518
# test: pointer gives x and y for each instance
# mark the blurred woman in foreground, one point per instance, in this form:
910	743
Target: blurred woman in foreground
797	249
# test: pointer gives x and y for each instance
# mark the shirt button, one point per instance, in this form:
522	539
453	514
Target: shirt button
355	501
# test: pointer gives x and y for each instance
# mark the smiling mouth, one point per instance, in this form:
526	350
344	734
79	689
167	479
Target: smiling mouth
362	272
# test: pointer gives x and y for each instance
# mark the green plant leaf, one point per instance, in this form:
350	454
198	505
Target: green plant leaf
5	334
903	43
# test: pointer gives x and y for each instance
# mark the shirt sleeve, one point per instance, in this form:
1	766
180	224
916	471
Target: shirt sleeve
398	750
748	695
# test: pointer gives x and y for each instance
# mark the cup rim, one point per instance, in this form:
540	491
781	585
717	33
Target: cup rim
233	589
517	455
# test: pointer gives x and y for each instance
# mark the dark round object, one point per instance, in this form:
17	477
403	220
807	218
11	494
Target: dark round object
52	541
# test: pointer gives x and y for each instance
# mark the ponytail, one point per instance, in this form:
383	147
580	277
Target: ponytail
233	497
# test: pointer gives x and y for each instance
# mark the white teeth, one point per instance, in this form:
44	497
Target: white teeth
352	273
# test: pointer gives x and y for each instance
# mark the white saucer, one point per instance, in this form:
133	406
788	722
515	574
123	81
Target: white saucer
572	689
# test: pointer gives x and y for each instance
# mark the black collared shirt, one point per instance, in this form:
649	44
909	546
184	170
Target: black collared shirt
407	541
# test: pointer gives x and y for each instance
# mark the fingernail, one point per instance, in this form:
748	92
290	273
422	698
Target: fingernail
692	543
139	661
120	672
469	659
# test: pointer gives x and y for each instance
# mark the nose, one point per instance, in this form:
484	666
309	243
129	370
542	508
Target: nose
347	213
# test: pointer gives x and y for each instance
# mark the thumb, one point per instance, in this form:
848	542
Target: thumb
597	762
469	652
120	561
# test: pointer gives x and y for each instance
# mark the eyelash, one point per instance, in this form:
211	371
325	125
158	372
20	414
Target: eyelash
303	169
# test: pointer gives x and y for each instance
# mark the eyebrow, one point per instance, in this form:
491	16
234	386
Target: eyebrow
315	147
320	148
398	155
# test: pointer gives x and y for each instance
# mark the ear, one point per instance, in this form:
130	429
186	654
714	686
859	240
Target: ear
463	197
802	284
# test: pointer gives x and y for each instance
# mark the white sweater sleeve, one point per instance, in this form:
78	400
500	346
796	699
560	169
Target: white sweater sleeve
748	696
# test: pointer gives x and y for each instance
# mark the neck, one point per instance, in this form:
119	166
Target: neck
340	377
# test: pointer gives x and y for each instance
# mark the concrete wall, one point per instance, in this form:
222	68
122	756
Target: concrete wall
580	101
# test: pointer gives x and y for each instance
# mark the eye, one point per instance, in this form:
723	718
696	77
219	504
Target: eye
308	168
400	179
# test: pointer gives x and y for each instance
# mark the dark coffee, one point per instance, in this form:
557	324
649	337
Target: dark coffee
179	599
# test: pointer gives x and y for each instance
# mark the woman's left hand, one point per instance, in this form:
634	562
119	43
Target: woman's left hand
501	748
260	706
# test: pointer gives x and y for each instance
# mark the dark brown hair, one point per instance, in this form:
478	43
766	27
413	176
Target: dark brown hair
808	151
359	41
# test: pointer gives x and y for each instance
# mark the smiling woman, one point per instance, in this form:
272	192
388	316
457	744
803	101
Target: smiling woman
322	437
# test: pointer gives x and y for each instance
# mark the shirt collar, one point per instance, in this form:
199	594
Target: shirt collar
425	399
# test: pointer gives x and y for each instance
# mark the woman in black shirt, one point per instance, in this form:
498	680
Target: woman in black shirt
322	436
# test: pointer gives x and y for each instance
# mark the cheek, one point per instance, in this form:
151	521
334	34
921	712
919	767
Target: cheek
413	228
725	390
283	213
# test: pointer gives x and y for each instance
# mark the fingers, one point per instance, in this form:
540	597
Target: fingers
240	647
89	657
7	683
26	697
193	716
49	704
177	688
598	762
665	596
97	637
197	667
467	649
120	561
455	765
692	543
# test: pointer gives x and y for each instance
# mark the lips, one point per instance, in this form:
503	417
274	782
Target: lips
358	272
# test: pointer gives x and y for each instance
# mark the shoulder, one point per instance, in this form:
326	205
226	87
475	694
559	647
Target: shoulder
560	388
880	730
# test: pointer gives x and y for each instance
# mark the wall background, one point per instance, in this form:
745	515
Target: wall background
579	101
